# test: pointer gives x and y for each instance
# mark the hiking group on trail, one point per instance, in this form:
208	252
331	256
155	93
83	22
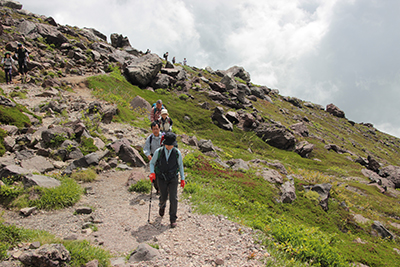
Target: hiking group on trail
22	56
166	163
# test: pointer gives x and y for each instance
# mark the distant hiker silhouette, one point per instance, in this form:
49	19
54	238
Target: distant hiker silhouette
173	60
7	62
23	56
165	56
184	61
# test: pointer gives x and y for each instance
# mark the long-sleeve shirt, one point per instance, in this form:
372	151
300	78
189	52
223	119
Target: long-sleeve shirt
149	149
167	154
8	62
155	114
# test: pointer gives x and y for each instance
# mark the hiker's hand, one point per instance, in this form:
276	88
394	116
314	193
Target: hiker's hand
182	183
152	177
149	157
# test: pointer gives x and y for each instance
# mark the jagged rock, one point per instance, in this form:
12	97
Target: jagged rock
170	71
51	21
221	120
276	135
40	180
218	86
206	146
205	105
6	160
160	81
50	134
229	83
13	171
392	173
323	190
272	176
336	148
83	210
193	141
117	40
131	155
120	56
142	71
239	72
258	92
373	176
294	101
288	192
143	252
362	161
182	76
27	211
140	103
247	121
238	164
304	148
244	89
48	255
37	163
300	129
373	164
9	143
117	144
11	4
6	102
97	34
216	96
335	111
108	114
232	117
382	231
86	161
10	129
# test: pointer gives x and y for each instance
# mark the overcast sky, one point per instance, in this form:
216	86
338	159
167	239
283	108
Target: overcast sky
326	51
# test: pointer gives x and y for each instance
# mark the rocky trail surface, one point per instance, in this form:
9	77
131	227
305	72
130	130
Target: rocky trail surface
121	218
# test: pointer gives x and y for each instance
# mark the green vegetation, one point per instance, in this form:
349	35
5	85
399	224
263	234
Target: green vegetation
88	175
81	251
87	145
65	195
14	116
142	186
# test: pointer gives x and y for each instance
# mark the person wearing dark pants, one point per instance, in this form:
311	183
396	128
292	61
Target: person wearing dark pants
166	164
153	142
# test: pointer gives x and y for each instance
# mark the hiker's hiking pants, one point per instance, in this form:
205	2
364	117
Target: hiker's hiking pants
169	188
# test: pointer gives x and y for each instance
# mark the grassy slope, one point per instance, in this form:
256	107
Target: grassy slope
253	202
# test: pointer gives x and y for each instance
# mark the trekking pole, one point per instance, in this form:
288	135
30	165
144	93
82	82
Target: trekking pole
151	194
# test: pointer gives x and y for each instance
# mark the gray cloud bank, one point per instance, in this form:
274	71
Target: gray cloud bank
326	51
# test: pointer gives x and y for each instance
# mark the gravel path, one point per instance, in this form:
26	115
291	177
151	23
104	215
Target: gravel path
121	219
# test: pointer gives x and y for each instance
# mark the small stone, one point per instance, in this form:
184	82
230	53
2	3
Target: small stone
83	210
87	231
27	211
86	225
71	237
93	263
219	261
142	202
34	245
17	254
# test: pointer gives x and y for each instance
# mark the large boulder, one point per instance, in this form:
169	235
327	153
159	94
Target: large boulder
276	135
221	120
160	81
239	72
218	86
139	103
40	180
48	255
130	155
373	164
141	71
238	164
288	192
13	171
272	176
37	163
335	111
143	252
205	146
118	41
382	231
304	148
323	190
229	82
392	173
300	129
11	4
6	102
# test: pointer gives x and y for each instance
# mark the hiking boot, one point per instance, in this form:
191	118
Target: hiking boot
161	211
173	224
158	192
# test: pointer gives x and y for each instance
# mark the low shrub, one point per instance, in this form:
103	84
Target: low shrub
87	145
142	186
88	175
192	188
65	195
13	116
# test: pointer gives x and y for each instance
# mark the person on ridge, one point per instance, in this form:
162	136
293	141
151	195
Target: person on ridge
165	121
165	56
165	165
22	56
153	142
7	62
173	60
156	110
